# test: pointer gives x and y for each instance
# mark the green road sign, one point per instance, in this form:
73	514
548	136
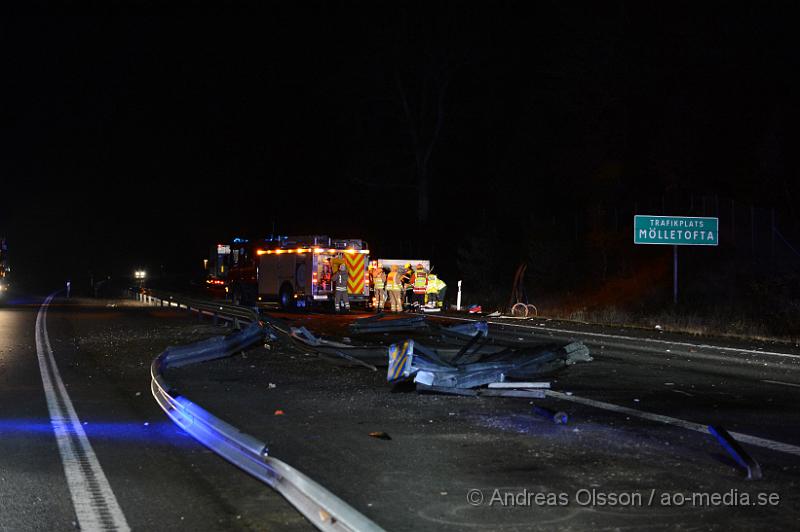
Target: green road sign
675	230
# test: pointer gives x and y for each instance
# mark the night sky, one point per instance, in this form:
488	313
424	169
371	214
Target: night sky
134	141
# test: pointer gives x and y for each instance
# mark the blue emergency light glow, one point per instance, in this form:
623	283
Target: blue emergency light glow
134	432
206	429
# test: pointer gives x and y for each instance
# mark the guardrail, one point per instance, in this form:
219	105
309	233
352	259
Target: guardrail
216	309
322	508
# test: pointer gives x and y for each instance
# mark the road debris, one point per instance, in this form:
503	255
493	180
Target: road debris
519	385
464	331
381	322
528	394
380	435
214	347
329	349
732	447
478	364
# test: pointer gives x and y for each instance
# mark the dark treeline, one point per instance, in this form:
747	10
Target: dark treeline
462	133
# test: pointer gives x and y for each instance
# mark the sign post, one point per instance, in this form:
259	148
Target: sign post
674	275
675	231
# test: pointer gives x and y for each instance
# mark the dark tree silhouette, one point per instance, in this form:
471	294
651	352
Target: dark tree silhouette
428	51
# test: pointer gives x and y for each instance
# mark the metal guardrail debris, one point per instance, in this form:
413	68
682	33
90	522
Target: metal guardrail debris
465	331
358	355
470	392
214	347
732	447
322	508
476	364
382	322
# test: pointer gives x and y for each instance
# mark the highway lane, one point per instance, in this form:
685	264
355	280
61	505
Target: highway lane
33	489
161	478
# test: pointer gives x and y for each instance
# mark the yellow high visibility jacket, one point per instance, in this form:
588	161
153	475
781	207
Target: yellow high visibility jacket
419	280
393	281
378	280
434	284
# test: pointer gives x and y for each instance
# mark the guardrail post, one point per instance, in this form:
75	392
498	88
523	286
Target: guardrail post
216	318
236	325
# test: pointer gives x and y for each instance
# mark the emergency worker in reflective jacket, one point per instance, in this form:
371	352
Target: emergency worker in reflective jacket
419	283
394	286
341	299
408	288
379	284
436	289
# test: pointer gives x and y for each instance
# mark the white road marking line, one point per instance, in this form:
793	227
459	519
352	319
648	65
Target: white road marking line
632	338
744	438
781	382
95	505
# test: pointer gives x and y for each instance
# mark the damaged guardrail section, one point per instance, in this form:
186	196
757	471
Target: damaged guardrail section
322	508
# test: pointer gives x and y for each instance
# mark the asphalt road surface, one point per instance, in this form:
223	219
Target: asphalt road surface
451	463
160	478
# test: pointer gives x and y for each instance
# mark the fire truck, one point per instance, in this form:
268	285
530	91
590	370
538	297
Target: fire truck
296	271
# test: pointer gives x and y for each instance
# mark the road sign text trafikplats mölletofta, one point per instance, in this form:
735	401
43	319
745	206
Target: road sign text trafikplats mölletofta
675	230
